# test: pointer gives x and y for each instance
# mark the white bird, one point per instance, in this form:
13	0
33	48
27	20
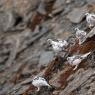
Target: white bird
58	45
75	60
90	18
39	81
63	43
80	34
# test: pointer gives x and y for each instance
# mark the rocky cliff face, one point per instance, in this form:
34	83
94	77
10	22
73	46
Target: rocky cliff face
25	26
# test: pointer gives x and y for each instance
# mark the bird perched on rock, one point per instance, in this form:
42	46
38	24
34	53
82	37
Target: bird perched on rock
80	34
75	60
90	18
39	81
58	45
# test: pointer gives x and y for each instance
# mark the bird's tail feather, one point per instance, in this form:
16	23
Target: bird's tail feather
85	55
49	85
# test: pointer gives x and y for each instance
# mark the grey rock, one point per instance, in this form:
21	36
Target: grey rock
89	35
90	1
58	10
22	7
48	1
41	9
77	14
55	80
6	20
1	2
58	4
79	3
45	58
80	77
21	90
58	7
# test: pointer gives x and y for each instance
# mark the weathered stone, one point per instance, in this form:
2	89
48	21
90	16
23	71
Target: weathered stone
6	21
89	35
21	7
55	80
90	1
68	1
48	1
79	3
21	90
80	77
24	6
91	7
1	2
58	4
77	14
58	10
58	7
41	9
45	58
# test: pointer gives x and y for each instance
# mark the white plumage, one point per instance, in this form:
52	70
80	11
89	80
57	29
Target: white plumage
90	18
80	34
75	60
63	43
58	45
39	82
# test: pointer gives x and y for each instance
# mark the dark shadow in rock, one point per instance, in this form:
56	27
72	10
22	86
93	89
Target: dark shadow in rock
19	19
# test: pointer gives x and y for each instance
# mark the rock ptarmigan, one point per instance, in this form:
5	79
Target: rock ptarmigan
80	35
39	81
75	60
90	18
58	45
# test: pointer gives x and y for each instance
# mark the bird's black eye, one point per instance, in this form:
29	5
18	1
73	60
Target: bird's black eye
43	79
36	78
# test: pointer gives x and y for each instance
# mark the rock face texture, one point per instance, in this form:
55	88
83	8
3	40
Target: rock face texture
25	27
77	14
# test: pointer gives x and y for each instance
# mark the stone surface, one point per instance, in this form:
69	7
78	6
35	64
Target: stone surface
6	21
58	10
21	7
89	35
90	1
58	4
45	58
77	14
80	77
42	8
